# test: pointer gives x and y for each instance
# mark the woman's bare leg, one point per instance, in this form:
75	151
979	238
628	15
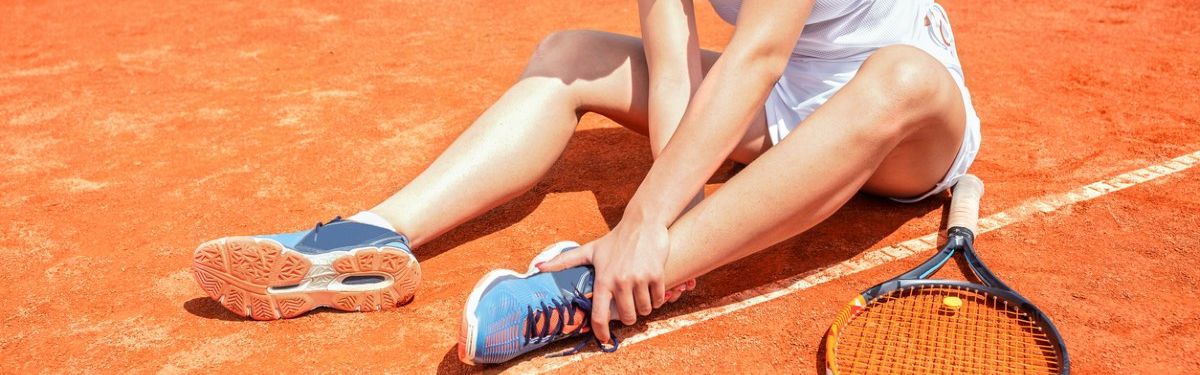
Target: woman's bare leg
516	141
894	129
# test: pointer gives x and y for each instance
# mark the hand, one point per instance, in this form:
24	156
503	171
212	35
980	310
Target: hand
629	265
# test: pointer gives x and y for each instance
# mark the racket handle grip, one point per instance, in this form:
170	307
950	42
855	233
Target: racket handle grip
964	203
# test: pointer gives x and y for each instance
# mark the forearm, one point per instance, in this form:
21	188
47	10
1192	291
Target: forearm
673	61
669	97
714	122
668	100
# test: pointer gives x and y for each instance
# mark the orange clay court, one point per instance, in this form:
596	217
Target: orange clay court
133	131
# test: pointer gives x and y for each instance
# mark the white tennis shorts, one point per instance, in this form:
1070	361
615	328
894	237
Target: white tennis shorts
808	83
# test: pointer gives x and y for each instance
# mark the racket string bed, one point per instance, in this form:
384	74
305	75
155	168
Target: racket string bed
936	345
911	331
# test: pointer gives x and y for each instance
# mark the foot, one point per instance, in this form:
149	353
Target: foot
342	264
509	314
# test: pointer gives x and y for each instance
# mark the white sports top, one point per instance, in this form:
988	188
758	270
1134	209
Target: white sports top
848	30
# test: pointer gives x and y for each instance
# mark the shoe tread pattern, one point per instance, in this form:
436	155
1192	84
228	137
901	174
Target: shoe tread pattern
238	271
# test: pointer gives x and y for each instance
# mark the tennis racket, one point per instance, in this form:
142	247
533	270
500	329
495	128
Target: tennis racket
915	325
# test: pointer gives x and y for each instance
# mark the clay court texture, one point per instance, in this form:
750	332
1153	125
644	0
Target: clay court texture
133	131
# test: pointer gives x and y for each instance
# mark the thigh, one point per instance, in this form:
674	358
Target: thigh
609	76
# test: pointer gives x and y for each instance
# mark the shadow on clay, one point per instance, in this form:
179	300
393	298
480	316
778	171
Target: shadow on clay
451	365
207	308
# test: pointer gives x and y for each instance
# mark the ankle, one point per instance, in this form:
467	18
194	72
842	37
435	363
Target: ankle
371	218
397	223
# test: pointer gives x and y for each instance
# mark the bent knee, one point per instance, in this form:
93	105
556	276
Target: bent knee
911	85
908	76
560	50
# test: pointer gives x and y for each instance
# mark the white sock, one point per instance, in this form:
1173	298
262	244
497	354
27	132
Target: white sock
371	218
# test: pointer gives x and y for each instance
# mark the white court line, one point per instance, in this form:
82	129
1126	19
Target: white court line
873	258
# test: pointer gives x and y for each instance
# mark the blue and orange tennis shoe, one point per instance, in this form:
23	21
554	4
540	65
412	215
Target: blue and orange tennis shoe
509	314
342	264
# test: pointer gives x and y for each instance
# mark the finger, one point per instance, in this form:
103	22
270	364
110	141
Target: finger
676	292
658	294
601	307
568	259
641	297
674	296
680	289
691	284
625	307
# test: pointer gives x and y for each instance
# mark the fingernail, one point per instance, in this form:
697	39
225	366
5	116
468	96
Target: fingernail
669	295
538	265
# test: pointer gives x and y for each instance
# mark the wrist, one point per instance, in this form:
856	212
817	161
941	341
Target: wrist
642	214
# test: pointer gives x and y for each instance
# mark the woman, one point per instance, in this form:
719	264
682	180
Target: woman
821	98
